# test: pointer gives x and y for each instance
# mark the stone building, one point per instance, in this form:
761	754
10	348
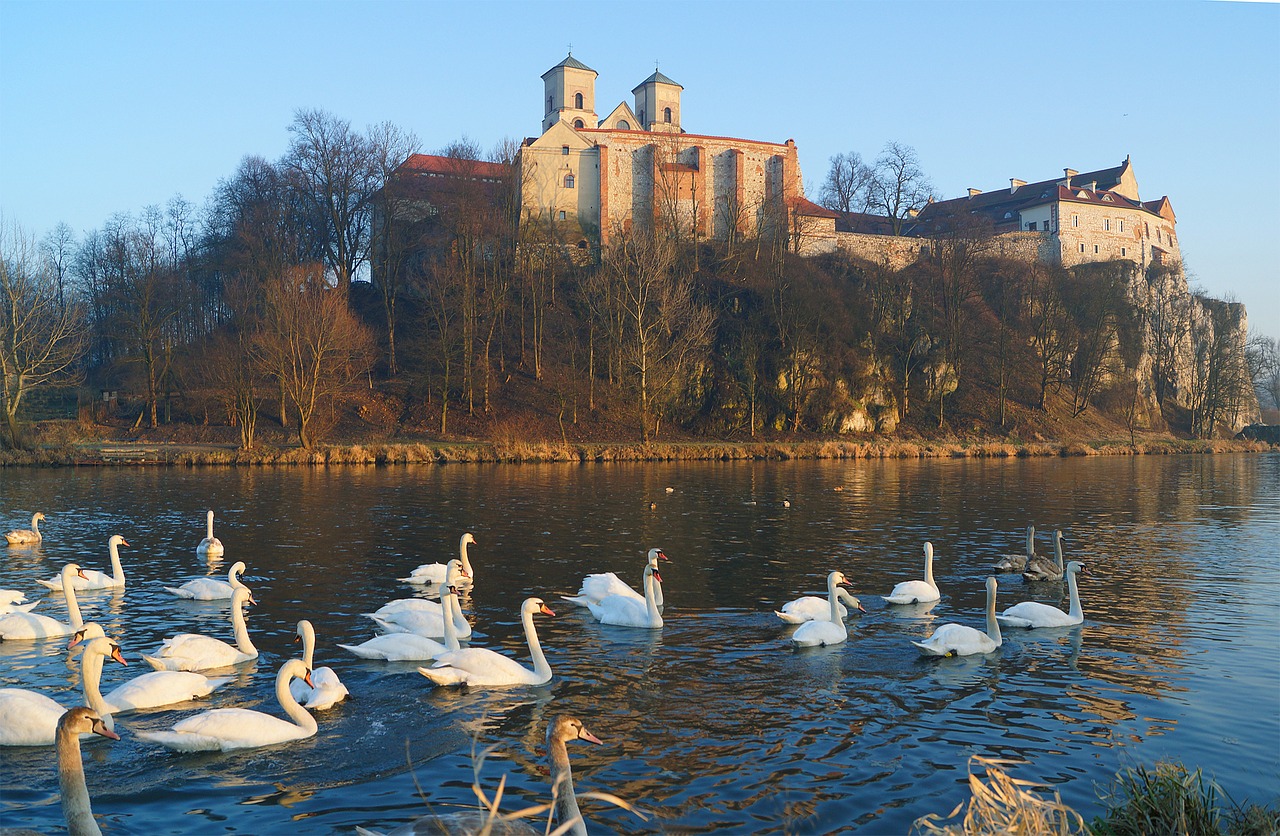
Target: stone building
591	179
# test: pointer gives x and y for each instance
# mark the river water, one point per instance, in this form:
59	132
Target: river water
714	722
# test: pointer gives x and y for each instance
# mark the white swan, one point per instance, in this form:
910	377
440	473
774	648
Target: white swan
960	640
479	666
29	718
917	592
211	589
75	793
93	578
1018	562
565	800
210	546
226	729
595	588
1044	569
194	652
830	630
409	647
150	690
814	608
1034	614
29	625
625	611
11	601
429	573
452	576
425	620
20	536
325	689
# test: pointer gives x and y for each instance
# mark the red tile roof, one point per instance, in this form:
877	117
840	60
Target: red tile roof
453	167
807	208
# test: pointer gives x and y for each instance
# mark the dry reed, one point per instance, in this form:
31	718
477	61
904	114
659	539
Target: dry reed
1003	804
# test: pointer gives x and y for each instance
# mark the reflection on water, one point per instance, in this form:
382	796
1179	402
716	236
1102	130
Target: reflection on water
714	722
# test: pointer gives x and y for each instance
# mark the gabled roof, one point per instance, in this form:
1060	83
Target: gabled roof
658	78
431	164
571	63
807	208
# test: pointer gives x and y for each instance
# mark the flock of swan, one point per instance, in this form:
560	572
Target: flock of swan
411	629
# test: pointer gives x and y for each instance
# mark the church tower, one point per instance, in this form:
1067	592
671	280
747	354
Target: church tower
658	103
570	95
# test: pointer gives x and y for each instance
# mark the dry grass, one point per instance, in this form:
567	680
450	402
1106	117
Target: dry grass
1003	804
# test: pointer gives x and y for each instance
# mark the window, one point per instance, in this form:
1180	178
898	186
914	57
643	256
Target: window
1107	198
582	245
577	101
1031	227
551	104
1157	233
1122	224
564	150
641	114
1082	248
1095	249
1123	252
568	181
666	115
1075	220
562	214
624	125
1106	224
578	123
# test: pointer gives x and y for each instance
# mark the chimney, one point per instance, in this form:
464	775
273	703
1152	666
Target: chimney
1014	185
1093	185
974	192
1069	172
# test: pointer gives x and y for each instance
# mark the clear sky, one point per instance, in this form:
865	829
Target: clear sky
111	106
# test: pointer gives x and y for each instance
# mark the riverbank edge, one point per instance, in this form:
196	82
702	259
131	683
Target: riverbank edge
497	452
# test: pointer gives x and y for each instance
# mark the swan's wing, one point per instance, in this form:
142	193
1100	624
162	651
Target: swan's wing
193	652
161	688
28	625
27	718
484	666
813	633
1033	614
398	647
238	728
912	592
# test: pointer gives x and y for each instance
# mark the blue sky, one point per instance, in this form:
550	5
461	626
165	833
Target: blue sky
107	107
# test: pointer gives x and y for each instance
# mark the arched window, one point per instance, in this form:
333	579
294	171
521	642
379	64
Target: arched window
641	117
666	115
578	123
568	181
550	104
624	125
577	101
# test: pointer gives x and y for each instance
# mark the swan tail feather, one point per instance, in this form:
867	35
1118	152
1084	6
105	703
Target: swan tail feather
789	618
159	664
444	675
181	593
579	600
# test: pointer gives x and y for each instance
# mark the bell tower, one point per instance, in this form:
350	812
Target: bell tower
658	104
569	95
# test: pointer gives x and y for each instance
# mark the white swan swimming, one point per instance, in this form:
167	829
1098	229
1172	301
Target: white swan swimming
76	809
481	667
1018	562
21	536
961	640
93	578
211	589
595	588
11	600
814	608
29	718
226	729
429	573
150	690
1034	614
29	625
194	652
210	546
625	611
1044	569
830	630
917	592
452	576
325	689
409	647
425	620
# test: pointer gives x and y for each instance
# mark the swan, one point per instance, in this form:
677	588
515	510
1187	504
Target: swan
1034	614
830	630
93	578
210	546
150	690
19	536
482	667
960	640
1018	562
194	652
436	572
452	576
564	799
1044	569
814	608
426	620
409	647
211	589
29	718
75	793
27	625
624	611
325	689
226	729
595	588
11	600
917	592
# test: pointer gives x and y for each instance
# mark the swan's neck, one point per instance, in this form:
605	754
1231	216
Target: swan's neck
540	665
299	715
243	644
1077	611
35	529
308	646
650	599
833	594
209	527
993	626
1031	542
462	553
91	683
566	800
928	567
75	795
452	609
1057	552
73	606
117	569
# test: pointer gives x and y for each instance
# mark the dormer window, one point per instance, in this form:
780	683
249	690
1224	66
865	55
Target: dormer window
666	115
1082	194
1107	198
568	181
624	125
577	101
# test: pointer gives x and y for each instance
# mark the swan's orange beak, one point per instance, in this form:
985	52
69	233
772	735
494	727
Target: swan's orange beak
80	573
545	610
307	678
76	638
252	601
586	735
657	576
662	555
101	728
115	654
124	542
463	572
845	584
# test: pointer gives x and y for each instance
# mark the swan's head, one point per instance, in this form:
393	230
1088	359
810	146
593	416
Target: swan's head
72	569
209	516
82	720
453	569
1075	566
87	633
241	596
652	571
238	568
295	669
116	541
566	728
468	540
991	585
838	579
928	550
304	627
1059	536
39	515
536	605
655	555
852	601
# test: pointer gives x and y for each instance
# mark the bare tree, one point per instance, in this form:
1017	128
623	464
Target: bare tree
1220	383
849	185
41	336
59	250
1263	356
900	187
1049	325
393	230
